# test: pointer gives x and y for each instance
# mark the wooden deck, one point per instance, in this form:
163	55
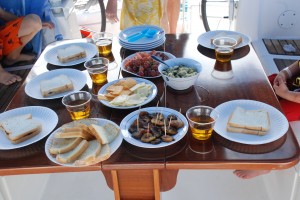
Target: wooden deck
283	63
276	46
7	92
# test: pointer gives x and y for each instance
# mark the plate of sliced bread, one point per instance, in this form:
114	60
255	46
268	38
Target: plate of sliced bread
83	142
26	125
70	54
55	84
206	38
250	122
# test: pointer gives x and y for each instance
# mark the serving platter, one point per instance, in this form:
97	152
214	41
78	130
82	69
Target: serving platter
33	90
169	55
279	124
114	145
51	54
205	38
47	117
151	96
130	118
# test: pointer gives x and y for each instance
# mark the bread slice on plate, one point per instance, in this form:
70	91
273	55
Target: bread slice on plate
70	53
56	85
72	155
81	131
104	134
62	145
249	121
23	130
89	156
10	123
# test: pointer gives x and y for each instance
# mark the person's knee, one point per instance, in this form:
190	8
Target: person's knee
34	21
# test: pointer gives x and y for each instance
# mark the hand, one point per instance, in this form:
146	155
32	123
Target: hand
111	11
49	25
280	87
279	78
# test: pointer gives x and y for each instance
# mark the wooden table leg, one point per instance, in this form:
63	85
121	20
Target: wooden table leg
140	184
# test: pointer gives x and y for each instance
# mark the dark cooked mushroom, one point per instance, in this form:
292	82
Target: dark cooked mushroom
157	122
156	131
158	116
156	141
167	138
145	116
176	123
171	130
147	137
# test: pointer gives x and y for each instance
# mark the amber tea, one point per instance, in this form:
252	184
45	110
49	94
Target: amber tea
80	111
98	73
104	46
202	127
223	54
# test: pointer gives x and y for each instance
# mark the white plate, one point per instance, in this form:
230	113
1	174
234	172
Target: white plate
151	96
128	120
113	146
47	117
205	38
137	29
51	55
279	123
145	47
133	55
78	78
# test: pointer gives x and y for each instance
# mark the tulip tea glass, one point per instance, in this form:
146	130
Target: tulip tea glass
201	120
103	41
97	68
78	104
224	47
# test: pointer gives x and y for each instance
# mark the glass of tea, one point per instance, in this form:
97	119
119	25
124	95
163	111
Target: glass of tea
97	68
78	104
201	120
224	47
103	41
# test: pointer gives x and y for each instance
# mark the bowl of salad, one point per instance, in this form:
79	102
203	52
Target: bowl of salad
181	73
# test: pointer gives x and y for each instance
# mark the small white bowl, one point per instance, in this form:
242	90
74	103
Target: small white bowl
180	83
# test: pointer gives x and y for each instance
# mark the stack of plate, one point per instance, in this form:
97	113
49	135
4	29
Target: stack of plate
143	43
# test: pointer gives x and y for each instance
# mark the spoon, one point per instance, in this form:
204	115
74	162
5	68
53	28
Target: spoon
160	60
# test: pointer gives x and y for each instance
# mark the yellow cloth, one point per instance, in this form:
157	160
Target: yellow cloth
141	12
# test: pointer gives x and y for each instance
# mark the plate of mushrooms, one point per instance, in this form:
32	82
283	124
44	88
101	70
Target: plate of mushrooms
154	127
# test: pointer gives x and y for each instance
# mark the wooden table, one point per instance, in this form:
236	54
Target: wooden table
137	173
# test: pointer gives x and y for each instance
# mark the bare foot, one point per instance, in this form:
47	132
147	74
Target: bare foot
248	174
8	78
22	57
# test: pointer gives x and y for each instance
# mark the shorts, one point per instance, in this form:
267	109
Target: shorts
9	40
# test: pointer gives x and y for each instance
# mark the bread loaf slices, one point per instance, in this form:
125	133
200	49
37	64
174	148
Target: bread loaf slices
89	156
81	131
236	36
9	124
249	121
56	85
72	155
104	134
62	145
70	53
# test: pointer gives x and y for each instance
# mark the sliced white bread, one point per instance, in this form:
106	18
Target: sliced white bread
56	85
70	53
24	130
62	145
9	124
74	134
244	130
72	155
90	155
236	36
258	120
106	134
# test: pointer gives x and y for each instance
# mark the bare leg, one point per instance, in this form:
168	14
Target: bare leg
173	14
8	78
248	174
30	26
164	21
111	11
